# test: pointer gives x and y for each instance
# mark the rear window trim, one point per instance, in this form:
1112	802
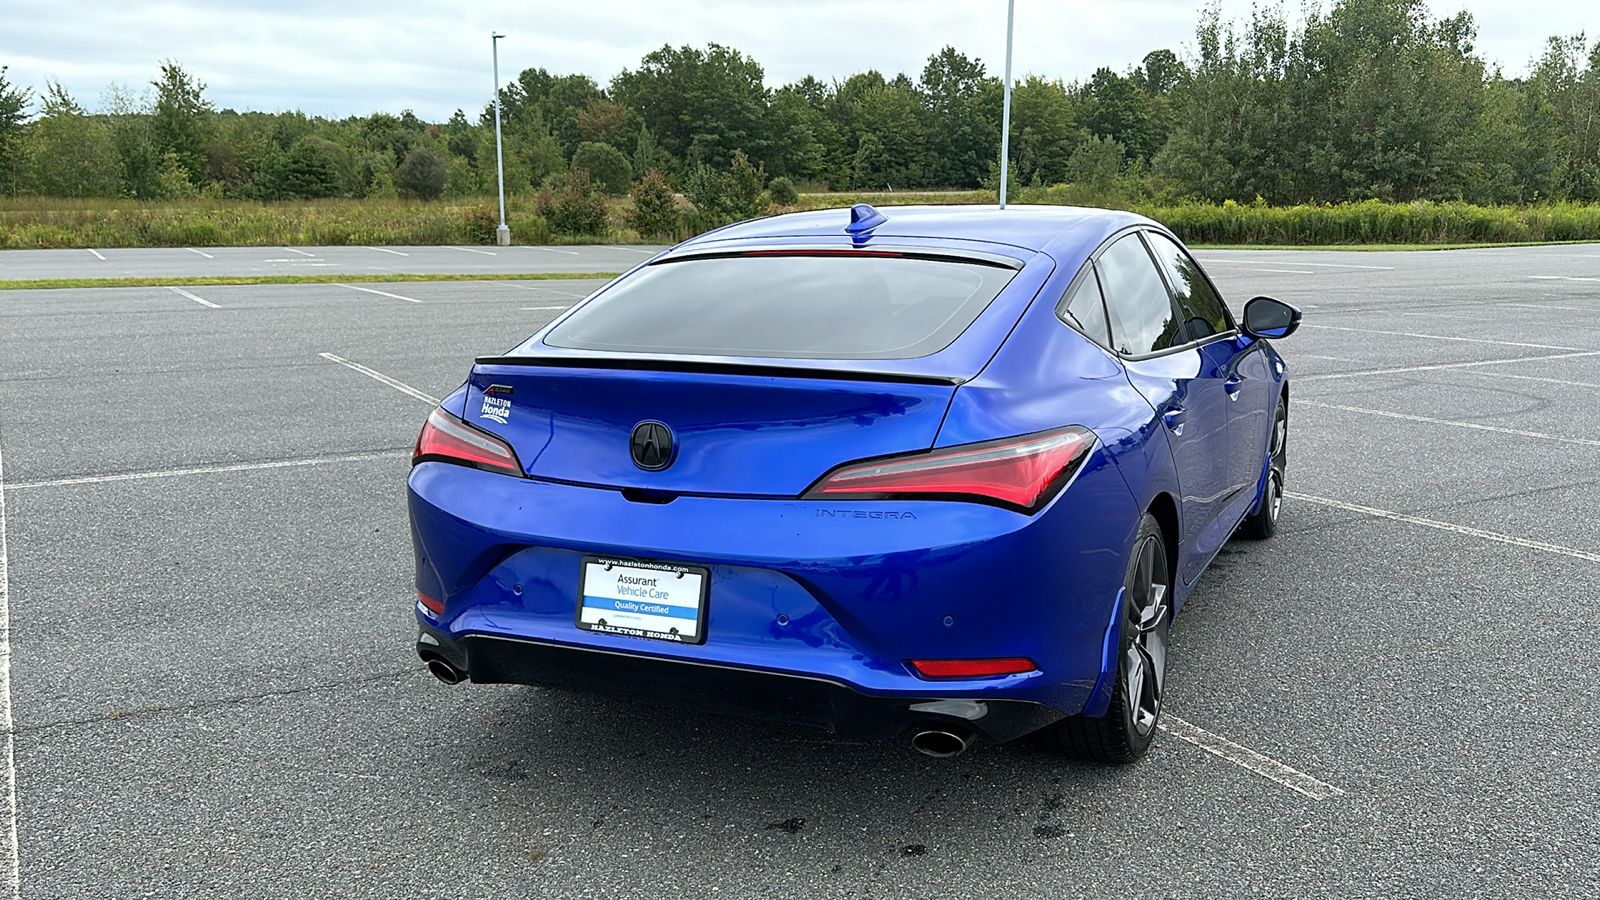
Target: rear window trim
971	257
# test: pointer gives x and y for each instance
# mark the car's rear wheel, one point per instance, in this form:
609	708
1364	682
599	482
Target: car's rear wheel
1264	521
1124	733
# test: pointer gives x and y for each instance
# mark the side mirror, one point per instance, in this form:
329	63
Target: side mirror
1265	317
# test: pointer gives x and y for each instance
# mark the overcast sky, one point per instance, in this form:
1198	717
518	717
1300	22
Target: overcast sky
361	56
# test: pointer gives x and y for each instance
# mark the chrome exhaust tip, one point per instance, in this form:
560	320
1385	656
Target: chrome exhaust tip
445	672
943	741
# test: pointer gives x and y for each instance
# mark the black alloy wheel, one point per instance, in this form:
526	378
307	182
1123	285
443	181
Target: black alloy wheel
1124	733
1262	523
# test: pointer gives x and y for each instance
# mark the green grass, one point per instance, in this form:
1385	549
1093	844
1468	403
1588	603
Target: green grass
1380	248
33	223
201	281
44	223
1367	225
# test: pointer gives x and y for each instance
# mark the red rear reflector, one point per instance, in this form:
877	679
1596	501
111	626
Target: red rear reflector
431	605
445	438
1020	472
973	668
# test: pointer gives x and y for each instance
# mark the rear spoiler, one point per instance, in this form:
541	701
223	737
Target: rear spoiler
713	367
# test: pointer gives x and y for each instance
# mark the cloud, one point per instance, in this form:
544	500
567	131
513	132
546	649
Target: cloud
354	58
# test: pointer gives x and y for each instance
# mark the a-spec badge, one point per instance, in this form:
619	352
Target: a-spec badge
496	403
652	446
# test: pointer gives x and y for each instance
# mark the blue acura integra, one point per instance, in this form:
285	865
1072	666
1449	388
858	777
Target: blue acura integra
937	471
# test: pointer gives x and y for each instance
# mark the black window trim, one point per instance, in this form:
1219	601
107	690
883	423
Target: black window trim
1172	297
1233	329
1072	287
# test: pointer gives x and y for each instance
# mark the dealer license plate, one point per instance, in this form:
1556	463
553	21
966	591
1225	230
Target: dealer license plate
643	599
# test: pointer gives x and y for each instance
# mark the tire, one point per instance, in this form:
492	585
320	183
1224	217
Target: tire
1124	733
1262	523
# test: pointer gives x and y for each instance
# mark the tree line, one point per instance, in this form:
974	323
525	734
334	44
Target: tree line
1372	99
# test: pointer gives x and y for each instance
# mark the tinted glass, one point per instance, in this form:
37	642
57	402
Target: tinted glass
1137	301
807	307
1203	312
1083	308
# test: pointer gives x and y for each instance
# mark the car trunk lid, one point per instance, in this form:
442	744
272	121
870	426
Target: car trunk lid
750	430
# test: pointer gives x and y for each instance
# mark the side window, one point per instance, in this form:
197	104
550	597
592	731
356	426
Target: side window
1137	302
1203	312
1083	308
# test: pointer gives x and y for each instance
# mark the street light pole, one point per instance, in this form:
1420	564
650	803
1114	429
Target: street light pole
502	235
1005	116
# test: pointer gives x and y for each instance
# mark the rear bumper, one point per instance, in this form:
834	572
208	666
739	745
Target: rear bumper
836	598
726	690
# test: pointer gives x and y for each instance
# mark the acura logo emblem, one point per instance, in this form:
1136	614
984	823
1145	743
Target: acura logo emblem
652	446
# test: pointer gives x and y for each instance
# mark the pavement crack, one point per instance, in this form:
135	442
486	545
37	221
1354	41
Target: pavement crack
213	703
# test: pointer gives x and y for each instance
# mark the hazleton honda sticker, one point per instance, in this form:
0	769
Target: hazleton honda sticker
496	406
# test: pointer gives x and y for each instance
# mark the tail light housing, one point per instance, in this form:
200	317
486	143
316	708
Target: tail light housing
445	438
1021	473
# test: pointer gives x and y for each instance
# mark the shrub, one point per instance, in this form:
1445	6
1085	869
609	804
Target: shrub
479	223
742	185
572	205
703	188
605	164
655	211
423	174
783	192
530	231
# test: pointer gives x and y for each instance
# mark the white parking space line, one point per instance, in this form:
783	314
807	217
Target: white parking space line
1562	278
398	385
1441	337
193	250
380	293
200	300
1239	755
1244	268
301	252
12	863
1254	262
97	255
634	250
387	250
1498	538
1552	306
539	290
205	470
1453	316
1473	425
1398	370
470	250
531	308
1561	381
549	249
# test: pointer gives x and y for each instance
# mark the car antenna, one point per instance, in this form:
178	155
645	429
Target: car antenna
863	218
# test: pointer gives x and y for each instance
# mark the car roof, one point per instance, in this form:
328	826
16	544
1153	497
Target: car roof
1064	232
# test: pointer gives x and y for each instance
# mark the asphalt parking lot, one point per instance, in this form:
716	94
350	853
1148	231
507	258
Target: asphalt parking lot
212	689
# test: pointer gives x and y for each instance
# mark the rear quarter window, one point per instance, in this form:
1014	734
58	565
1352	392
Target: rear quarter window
788	306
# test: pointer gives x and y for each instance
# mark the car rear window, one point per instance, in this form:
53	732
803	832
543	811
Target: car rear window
803	306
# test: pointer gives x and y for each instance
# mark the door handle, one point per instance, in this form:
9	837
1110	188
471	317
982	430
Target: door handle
1175	416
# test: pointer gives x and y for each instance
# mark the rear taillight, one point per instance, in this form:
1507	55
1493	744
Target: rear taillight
445	438
1020	473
